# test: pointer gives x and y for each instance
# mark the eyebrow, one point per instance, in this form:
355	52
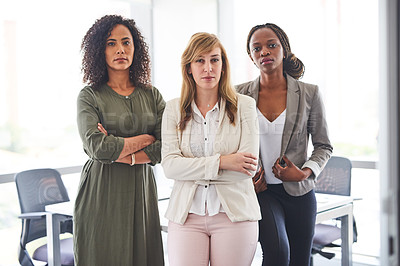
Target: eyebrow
125	38
269	40
214	55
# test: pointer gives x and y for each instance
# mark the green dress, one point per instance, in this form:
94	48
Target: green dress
116	219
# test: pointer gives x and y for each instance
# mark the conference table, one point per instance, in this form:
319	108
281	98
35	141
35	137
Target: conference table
328	207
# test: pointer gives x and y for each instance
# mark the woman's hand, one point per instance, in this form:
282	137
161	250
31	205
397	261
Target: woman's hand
242	162
126	159
290	172
259	182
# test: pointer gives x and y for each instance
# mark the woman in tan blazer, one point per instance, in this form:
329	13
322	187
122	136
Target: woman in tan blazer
289	112
210	148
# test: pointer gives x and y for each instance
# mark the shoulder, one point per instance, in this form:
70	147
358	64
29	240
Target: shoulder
154	90
87	93
308	87
302	86
86	90
244	100
151	92
241	87
174	102
173	105
89	90
310	95
148	90
247	87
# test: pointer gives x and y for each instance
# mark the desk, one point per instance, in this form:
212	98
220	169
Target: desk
328	207
334	206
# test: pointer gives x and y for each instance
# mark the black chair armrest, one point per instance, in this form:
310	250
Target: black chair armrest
38	215
32	215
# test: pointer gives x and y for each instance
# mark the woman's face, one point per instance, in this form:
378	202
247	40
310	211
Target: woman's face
206	70
119	49
266	50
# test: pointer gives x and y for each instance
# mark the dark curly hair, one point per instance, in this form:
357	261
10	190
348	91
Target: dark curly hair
291	64
93	47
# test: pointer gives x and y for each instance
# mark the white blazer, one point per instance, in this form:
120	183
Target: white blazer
235	190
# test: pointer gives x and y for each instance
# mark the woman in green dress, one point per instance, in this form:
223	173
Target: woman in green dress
116	219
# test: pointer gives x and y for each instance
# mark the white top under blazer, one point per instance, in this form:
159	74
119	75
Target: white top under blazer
202	138
270	143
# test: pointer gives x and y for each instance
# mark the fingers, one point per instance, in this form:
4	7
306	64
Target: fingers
250	166
101	128
276	169
244	163
152	137
286	160
249	155
277	166
251	162
260	185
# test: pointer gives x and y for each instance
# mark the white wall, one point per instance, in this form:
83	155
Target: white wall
175	21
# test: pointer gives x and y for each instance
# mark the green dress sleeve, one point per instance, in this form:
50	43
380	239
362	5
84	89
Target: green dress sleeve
153	151
97	146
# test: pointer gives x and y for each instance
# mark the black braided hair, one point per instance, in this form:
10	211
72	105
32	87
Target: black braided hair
291	64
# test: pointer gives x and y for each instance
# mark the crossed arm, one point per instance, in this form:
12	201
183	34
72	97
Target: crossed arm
133	145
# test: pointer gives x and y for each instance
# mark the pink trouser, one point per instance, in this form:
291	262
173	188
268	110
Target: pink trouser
214	239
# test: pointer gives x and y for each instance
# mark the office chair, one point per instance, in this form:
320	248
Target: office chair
36	189
335	179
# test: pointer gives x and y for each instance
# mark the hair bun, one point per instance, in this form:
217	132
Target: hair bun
293	66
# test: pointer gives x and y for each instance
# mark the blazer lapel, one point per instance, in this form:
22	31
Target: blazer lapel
292	105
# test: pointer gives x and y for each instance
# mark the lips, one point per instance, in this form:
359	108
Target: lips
266	61
208	78
120	59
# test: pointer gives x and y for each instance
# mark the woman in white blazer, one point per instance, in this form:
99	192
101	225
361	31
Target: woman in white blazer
210	148
289	112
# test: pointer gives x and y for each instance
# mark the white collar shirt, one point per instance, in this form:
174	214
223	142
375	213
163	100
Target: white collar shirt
202	139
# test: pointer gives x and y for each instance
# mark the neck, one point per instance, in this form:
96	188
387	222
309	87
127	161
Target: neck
119	80
273	81
205	100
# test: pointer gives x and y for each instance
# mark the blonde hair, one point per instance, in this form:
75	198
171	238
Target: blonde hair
201	43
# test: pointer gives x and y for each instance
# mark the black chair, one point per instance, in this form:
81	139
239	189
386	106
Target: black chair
335	179
36	189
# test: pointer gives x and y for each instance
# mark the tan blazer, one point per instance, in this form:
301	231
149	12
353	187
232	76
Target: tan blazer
235	190
305	117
